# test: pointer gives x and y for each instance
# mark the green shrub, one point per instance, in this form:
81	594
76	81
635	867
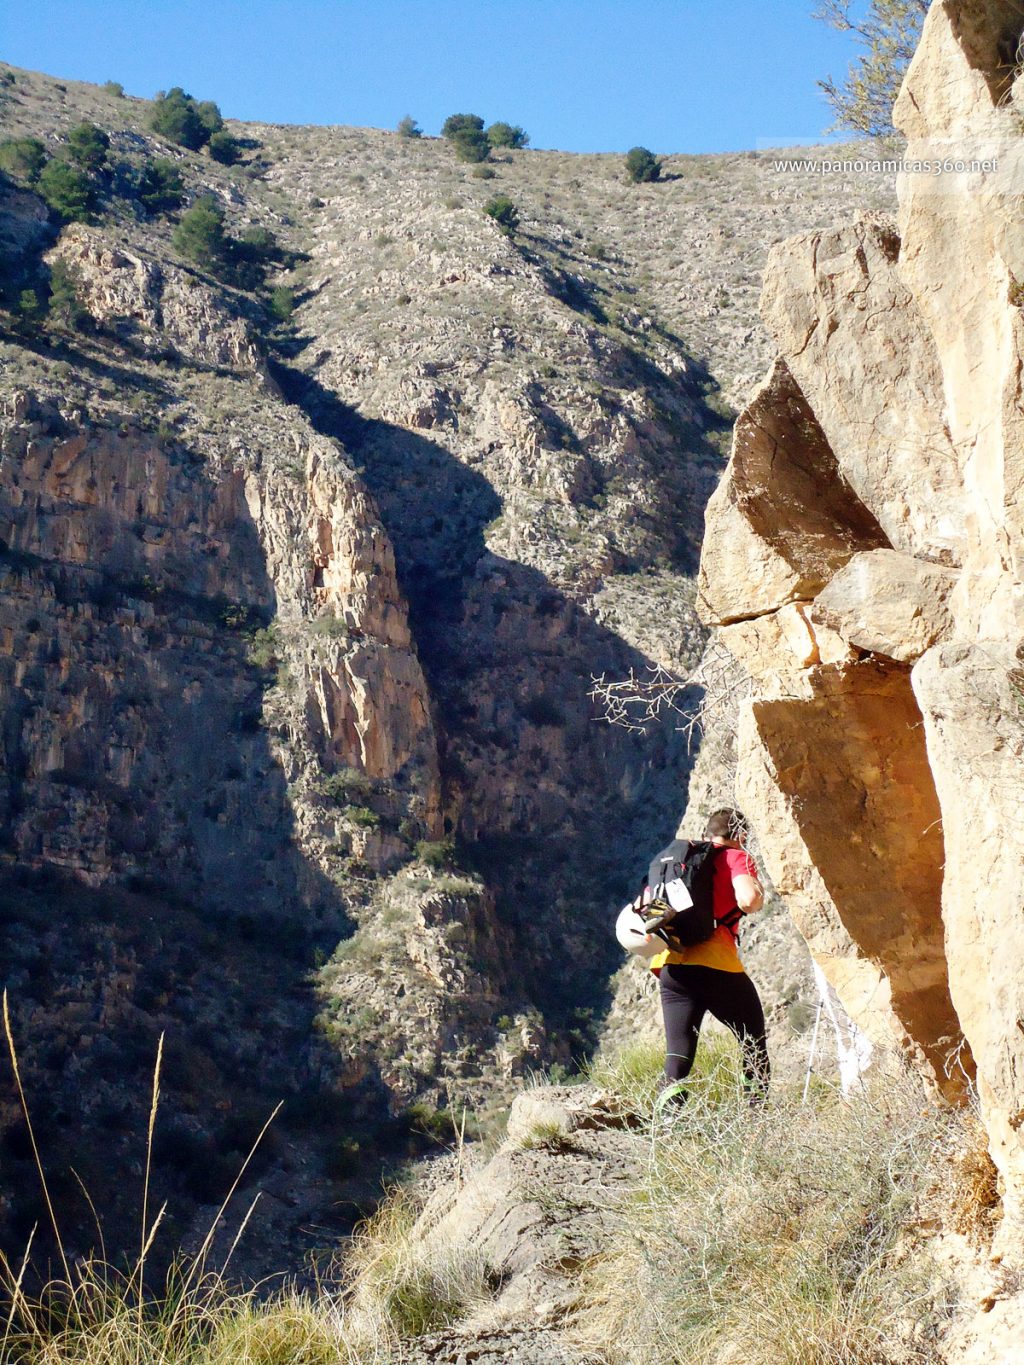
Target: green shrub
265	648
408	127
438	854
471	144
67	190
174	117
456	886
282	303
114	88
88	147
161	188
642	165
30	309
504	213
179	118
209	117
344	784
65	307
23	157
483	172
437	1124
459	123
224	148
200	235
251	255
507	135
362	817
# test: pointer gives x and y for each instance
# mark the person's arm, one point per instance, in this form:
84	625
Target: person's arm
749	896
746	887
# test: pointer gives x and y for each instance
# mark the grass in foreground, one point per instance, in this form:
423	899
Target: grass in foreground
100	1322
776	1236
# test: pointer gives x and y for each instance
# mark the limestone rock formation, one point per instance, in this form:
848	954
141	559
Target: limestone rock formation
880	756
159	305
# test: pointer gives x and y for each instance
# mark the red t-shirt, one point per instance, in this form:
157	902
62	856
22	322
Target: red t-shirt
729	863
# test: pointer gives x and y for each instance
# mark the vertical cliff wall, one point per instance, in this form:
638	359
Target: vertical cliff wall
863	561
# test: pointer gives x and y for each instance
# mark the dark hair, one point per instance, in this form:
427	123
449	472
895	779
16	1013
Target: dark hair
726	824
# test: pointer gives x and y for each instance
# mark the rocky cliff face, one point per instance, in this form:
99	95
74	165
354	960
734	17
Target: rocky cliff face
863	562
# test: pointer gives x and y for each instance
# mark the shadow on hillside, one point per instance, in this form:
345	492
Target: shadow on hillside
134	750
555	808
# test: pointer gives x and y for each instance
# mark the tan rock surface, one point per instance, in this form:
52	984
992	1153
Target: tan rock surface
784	517
158	304
881	796
888	603
851	333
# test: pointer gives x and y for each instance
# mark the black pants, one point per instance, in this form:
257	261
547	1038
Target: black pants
687	994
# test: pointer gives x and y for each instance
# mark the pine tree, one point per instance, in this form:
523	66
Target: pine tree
67	190
88	147
200	235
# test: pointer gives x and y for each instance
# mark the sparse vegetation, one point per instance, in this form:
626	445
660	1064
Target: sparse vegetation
344	784
438	854
114	88
65	306
408	127
799	1208
265	648
362	817
23	158
403	1283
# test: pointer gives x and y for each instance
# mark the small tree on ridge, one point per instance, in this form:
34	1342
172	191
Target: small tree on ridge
642	165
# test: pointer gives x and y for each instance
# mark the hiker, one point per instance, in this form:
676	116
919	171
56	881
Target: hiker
709	976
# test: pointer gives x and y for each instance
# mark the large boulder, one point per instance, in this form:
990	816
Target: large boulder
888	603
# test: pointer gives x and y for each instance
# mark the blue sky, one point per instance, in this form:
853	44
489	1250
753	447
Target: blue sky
581	75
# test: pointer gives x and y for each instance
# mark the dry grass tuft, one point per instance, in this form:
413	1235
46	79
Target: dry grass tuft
405	1286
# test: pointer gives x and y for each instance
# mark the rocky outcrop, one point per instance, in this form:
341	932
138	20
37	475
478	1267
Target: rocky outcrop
880	751
157	305
542	1205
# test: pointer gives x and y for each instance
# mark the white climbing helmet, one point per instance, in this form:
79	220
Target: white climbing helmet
632	935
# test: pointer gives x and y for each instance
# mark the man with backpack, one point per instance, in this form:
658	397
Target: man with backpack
700	972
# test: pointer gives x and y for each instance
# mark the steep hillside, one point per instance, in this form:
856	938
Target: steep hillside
300	620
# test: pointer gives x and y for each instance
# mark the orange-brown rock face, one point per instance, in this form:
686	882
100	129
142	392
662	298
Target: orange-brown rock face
136	713
863	560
